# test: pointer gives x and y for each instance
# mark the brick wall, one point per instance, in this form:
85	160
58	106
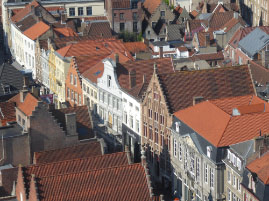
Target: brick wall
77	89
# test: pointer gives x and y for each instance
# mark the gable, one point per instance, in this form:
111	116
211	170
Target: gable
169	15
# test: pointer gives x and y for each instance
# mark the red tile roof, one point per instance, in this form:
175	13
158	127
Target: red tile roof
223	129
142	68
211	84
57	8
121	4
260	166
94	18
202	39
29	104
151	5
97	70
23	12
230	24
208	57
65	31
101	29
136	47
194	13
37	30
260	74
7	112
178	10
117	183
97	47
89	149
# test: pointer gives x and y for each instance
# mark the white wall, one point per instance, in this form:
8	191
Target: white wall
29	55
111	113
45	68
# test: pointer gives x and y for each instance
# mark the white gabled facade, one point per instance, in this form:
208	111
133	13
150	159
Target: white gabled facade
110	98
44	58
29	55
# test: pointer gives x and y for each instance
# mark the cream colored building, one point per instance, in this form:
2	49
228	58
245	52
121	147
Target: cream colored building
90	93
255	12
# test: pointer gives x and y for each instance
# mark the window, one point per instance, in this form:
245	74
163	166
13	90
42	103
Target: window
162	13
229	194
211	178
76	97
197	169
68	93
80	11
84	87
135	27
239	164
137	108
150	132
237	184
122	16
206	173
135	16
7	89
71	11
118	104
131	121
109	81
179	151
229	176
19	117
148	32
177	126
234	181
240	60
156	137
122	27
134	5
162	119
89	10
209	150
137	126
192	163
79	99
108	99
156	116
125	117
75	80
130	104
145	129
72	95
71	78
153	24
91	92
175	148
88	90
162	138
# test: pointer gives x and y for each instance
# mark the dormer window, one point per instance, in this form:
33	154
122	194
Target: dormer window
177	126
109	81
209	150
229	155
239	164
7	89
235	161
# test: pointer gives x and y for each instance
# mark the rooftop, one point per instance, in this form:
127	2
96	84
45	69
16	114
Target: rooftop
210	84
84	126
84	150
260	167
29	104
227	121
116	183
36	30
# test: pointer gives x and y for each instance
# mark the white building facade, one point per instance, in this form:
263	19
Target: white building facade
110	99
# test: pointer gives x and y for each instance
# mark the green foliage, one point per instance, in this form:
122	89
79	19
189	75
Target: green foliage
167	2
130	37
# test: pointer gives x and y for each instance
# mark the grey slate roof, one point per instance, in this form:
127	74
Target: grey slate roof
254	42
243	149
173	32
9	75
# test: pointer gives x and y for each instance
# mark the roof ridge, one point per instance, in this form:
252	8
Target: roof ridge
75	159
95	170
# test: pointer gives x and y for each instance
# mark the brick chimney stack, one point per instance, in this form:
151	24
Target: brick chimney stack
132	78
71	124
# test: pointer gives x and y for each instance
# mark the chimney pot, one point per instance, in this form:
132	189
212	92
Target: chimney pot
161	52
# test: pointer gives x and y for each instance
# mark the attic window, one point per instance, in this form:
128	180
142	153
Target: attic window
177	126
7	89
97	73
209	150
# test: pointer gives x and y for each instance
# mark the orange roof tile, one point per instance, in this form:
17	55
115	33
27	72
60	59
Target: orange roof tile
260	166
29	104
90	149
211	120
178	9
116	183
151	5
230	24
37	30
136	47
96	47
194	13
23	12
66	31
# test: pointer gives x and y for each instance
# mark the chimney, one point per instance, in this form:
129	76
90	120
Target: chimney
64	17
161	52
117	58
207	39
132	78
143	157
261	144
197	99
144	78
236	15
71	124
